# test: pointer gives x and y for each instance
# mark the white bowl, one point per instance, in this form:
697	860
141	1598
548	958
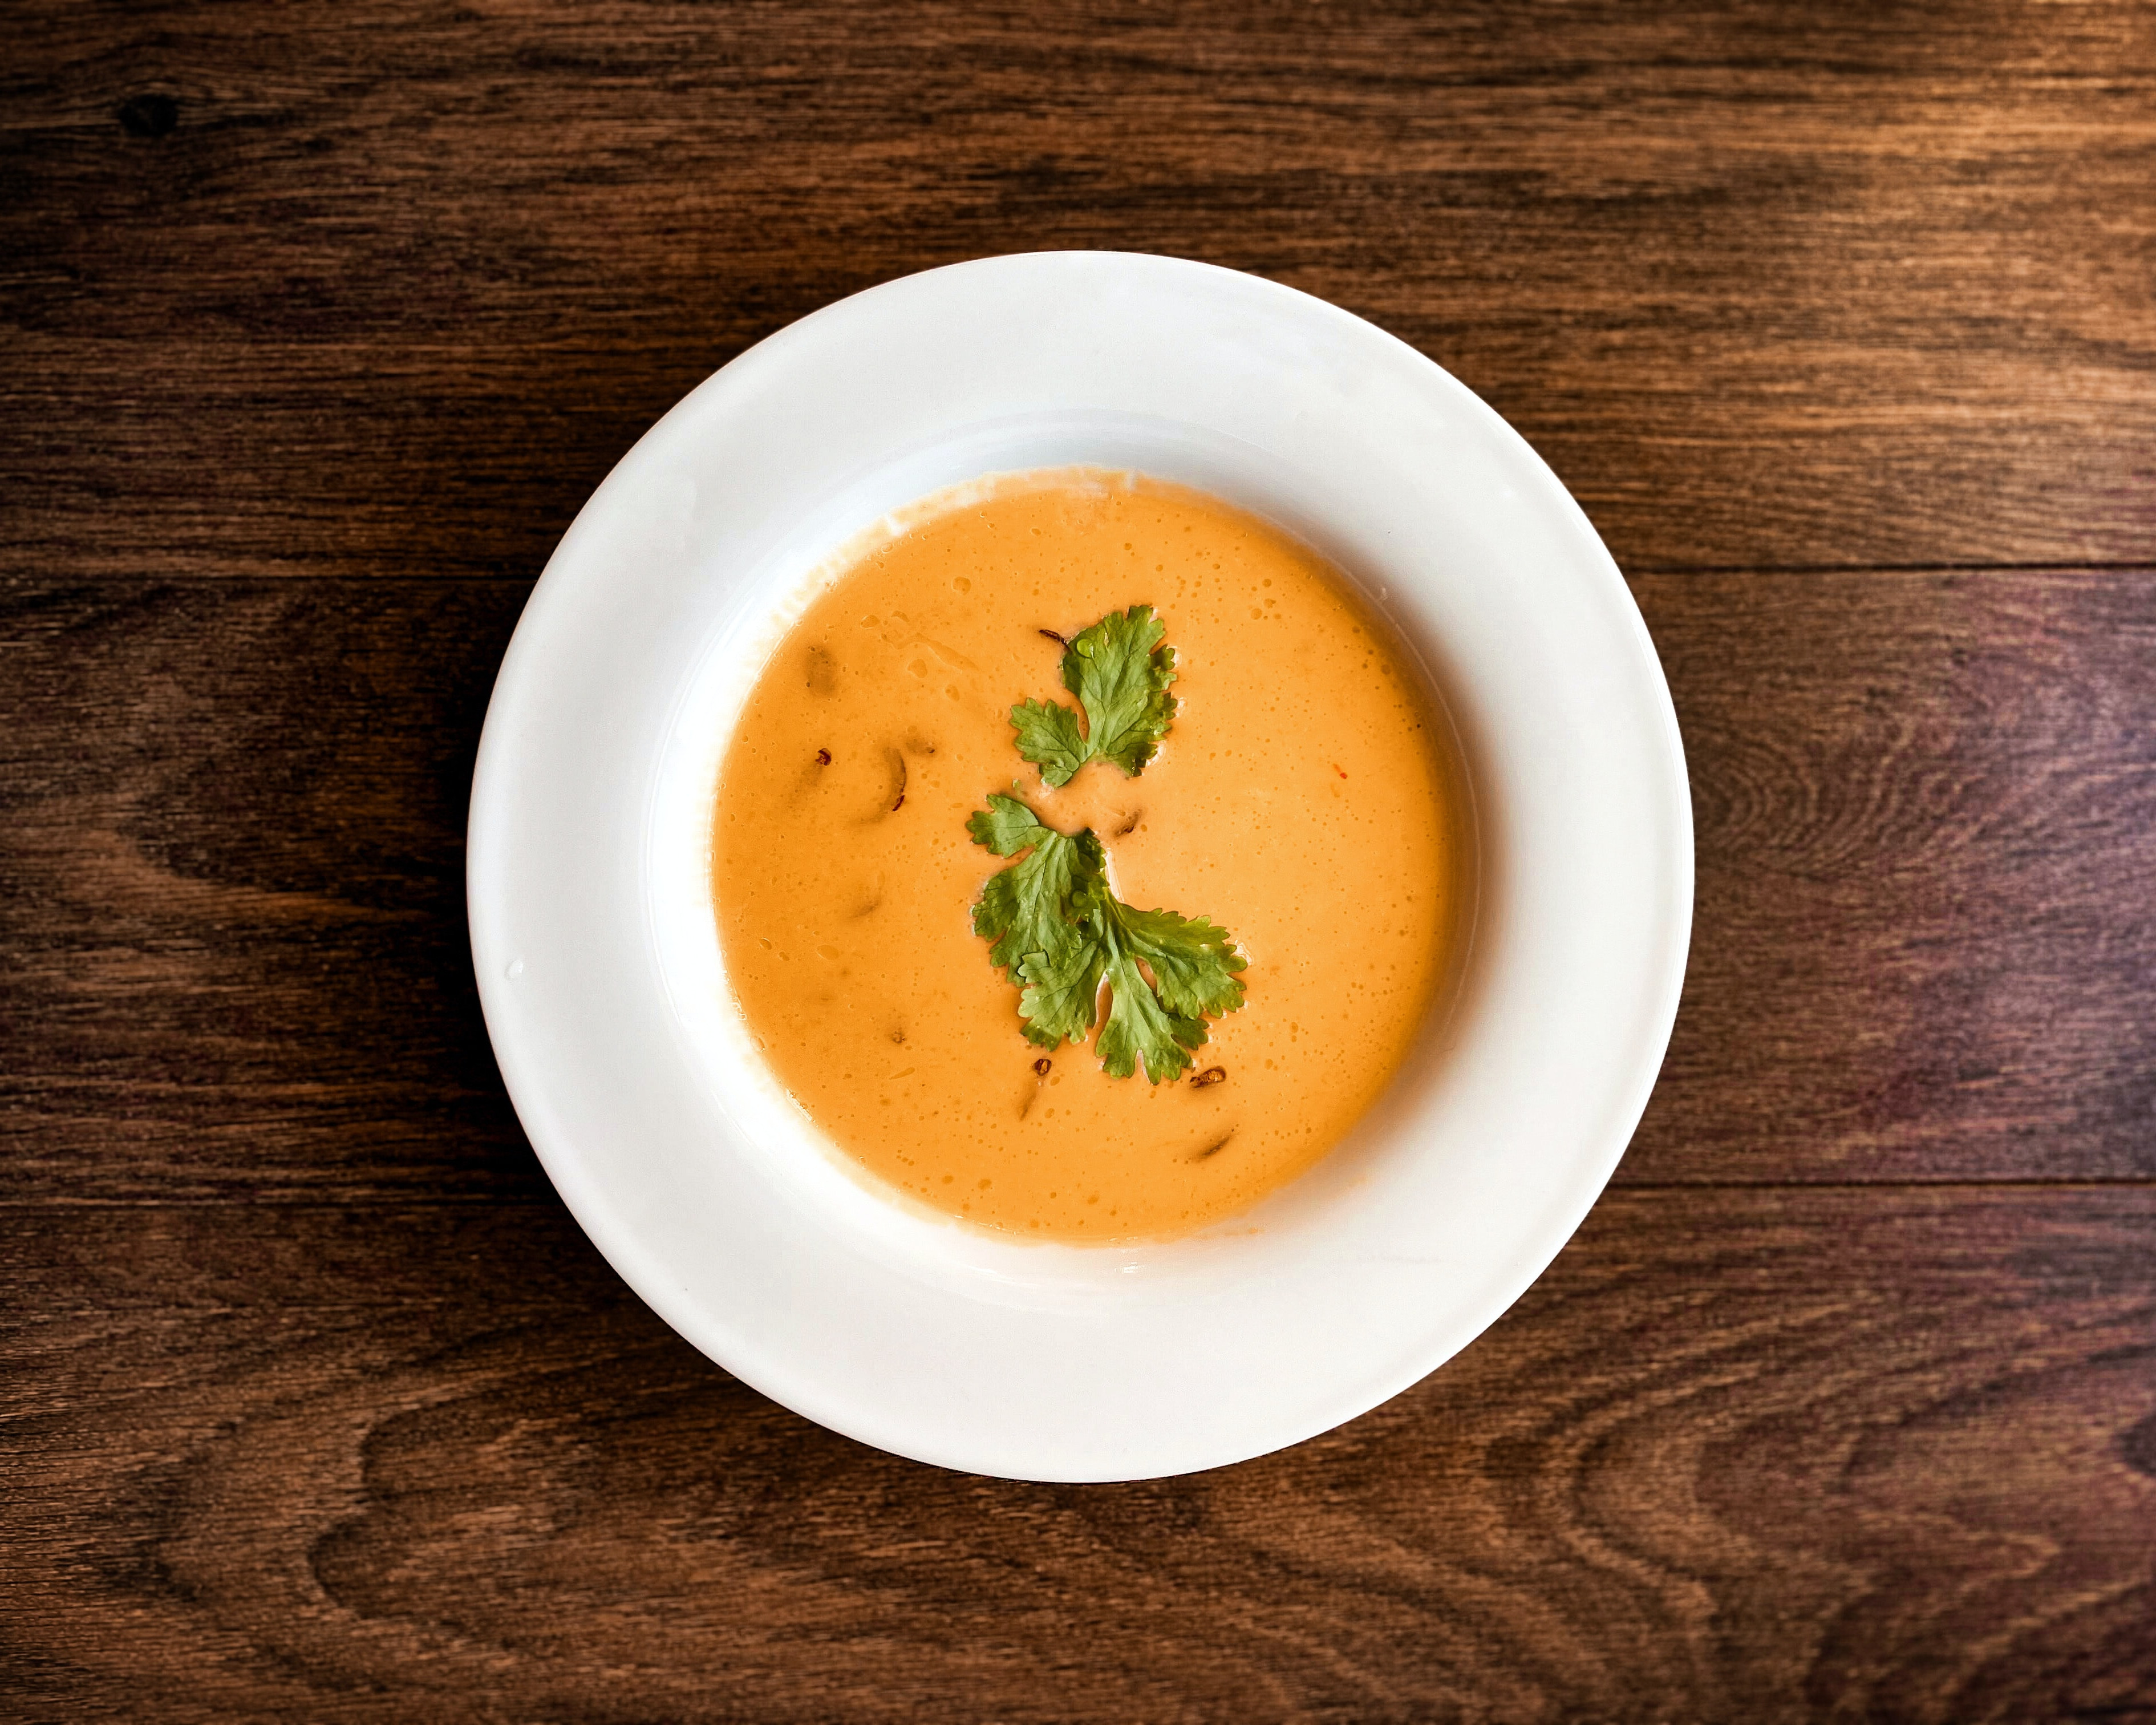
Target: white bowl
598	954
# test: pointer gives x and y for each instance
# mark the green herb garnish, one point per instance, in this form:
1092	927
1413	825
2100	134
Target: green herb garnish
1055	929
1120	672
1053	926
1026	915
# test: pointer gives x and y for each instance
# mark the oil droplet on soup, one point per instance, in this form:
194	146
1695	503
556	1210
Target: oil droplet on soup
1304	800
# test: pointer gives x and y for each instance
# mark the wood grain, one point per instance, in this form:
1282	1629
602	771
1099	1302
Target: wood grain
318	324
1926	940
389	287
1773	1456
232	832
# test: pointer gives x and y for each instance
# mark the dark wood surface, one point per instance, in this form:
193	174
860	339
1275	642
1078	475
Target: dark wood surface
317	326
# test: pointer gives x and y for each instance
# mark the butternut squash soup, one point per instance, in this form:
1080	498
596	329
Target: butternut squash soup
1085	859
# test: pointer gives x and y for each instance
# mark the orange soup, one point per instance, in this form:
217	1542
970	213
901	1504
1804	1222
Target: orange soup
1301	799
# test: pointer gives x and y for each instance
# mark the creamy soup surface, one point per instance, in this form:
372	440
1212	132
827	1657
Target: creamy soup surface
1302	800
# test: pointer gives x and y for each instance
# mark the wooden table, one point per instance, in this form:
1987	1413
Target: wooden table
319	327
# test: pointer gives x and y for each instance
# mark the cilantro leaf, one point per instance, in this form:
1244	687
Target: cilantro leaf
1006	826
1063	985
1023	910
1056	930
1140	1027
1047	736
1120	671
1193	964
1194	961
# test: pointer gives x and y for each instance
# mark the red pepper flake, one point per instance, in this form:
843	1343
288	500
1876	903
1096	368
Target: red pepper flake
1211	1075
1041	1067
1336	768
822	758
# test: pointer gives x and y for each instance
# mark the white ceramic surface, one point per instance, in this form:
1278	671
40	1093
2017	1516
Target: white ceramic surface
598	958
